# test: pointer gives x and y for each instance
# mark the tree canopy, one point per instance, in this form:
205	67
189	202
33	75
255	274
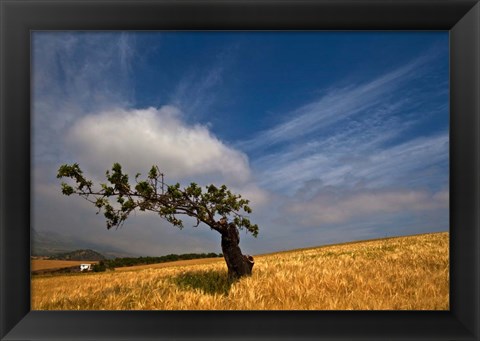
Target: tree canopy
118	198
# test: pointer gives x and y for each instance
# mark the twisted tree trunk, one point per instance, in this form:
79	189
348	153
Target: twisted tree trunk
238	264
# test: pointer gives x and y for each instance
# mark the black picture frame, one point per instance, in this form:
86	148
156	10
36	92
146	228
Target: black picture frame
18	18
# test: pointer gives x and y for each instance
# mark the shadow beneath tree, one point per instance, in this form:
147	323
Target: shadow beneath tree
209	282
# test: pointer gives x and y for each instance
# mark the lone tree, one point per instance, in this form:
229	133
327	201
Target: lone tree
213	207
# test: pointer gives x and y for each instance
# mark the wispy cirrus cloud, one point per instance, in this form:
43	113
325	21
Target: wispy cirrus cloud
198	89
421	162
336	105
356	137
336	206
74	74
349	159
196	92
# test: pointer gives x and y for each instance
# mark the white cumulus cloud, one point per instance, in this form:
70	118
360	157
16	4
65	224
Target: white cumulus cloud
141	138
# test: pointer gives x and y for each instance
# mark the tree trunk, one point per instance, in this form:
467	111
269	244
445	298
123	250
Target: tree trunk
238	264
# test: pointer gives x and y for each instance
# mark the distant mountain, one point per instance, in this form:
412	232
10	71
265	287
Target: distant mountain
50	243
79	255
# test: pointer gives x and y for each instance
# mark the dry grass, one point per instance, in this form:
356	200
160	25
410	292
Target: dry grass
410	273
43	264
172	264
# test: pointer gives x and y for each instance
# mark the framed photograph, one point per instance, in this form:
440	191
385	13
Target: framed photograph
258	170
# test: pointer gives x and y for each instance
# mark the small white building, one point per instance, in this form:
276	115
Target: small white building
85	267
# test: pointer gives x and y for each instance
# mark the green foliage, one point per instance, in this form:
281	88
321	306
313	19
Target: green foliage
74	172
100	267
144	188
66	189
118	198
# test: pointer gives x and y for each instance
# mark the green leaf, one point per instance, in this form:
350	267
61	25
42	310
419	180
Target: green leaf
66	189
153	173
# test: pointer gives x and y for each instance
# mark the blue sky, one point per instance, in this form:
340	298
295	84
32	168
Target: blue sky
334	136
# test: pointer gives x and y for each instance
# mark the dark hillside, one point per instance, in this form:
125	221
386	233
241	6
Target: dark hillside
79	255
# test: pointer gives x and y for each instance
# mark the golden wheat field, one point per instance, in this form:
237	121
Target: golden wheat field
189	262
410	273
